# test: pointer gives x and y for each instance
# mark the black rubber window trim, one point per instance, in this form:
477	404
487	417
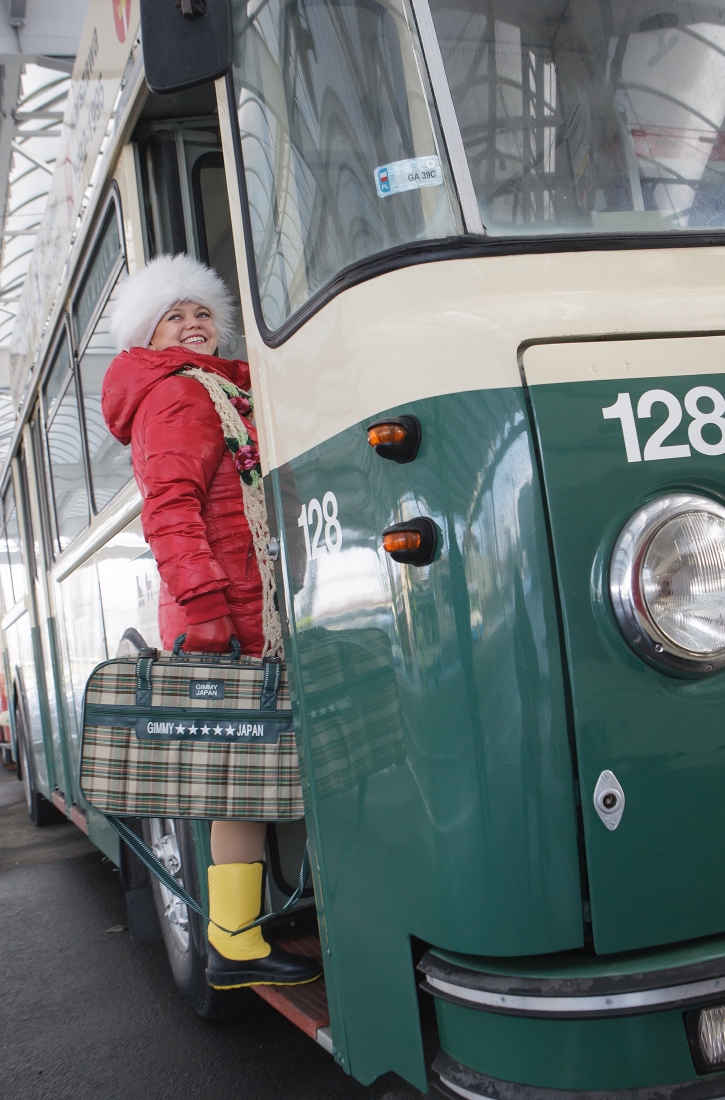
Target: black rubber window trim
426	252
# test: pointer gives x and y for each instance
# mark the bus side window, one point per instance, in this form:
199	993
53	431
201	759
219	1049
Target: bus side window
65	449
12	573
110	463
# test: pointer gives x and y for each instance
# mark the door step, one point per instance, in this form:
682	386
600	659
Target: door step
304	1005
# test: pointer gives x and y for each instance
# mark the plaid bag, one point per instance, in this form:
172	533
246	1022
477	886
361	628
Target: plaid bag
169	735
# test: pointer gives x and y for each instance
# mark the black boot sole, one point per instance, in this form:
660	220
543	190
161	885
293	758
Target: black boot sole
222	973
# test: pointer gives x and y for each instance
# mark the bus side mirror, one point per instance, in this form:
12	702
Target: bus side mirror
185	42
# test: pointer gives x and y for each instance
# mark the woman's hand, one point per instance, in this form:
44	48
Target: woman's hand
210	637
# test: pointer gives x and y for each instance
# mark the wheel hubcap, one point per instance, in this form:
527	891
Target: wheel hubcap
165	846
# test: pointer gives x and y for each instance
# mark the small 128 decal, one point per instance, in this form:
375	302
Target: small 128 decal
327	535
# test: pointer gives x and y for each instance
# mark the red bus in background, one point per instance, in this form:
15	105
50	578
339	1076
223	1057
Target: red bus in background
6	741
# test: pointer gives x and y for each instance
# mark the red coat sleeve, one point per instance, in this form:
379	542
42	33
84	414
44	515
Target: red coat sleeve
177	445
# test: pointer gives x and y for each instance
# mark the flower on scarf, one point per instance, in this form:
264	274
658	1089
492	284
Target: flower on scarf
242	404
247	457
245	448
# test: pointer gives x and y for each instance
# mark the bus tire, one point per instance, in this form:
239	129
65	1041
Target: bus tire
183	931
40	811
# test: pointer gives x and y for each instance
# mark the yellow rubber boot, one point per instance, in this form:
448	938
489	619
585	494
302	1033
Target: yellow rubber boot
235	899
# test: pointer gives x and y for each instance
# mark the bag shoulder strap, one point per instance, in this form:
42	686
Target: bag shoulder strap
157	868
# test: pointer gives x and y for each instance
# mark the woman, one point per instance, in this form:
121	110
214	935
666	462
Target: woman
170	315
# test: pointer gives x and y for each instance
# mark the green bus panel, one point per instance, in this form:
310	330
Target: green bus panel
622	1052
656	880
434	738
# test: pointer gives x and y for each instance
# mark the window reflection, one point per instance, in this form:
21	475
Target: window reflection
12	572
110	463
589	116
105	258
328	92
65	450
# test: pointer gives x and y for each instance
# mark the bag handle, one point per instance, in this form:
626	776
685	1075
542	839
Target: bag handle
235	647
157	868
271	667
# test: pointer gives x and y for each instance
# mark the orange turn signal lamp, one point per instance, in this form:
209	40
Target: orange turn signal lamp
395	541
413	542
396	437
387	432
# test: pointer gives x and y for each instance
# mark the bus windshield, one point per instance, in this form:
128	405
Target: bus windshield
589	116
341	153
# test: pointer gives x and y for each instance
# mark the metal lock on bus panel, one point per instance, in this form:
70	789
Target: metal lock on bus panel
609	800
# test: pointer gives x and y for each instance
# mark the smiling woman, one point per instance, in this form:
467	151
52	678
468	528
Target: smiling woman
188	325
171	315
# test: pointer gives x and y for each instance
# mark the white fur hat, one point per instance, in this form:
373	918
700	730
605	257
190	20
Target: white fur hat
165	282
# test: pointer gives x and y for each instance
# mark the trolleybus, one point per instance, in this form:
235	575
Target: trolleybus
479	255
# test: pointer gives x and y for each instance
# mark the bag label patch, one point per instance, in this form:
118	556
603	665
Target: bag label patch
264	732
206	689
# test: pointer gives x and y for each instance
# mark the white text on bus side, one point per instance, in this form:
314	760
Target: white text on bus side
655	447
326	513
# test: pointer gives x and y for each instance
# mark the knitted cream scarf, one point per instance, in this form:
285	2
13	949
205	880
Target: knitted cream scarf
255	508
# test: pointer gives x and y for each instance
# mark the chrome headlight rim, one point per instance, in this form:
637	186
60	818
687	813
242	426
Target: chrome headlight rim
628	602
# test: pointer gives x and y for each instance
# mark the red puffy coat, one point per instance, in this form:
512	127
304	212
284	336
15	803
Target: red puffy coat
193	513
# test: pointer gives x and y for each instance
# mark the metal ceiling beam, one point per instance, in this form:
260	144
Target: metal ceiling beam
49	168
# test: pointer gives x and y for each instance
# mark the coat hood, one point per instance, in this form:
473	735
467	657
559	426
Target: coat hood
133	374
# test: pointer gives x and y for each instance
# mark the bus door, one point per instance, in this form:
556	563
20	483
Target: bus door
632	440
186	206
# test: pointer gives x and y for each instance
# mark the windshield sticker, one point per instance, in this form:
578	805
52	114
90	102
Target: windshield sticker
408	175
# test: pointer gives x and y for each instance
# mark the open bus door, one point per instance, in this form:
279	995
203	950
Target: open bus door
184	207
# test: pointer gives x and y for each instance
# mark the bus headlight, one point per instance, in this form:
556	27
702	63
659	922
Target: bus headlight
667	583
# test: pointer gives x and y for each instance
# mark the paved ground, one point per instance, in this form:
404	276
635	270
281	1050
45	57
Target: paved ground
85	1014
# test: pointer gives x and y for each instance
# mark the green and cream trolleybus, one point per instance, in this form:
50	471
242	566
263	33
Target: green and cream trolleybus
479	254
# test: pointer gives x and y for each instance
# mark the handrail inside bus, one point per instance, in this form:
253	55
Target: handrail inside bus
16	612
124	507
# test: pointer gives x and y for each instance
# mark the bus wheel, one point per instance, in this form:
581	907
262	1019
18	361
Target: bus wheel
183	931
40	811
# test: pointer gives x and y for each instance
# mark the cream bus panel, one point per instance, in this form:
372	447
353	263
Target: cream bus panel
458	325
619	360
